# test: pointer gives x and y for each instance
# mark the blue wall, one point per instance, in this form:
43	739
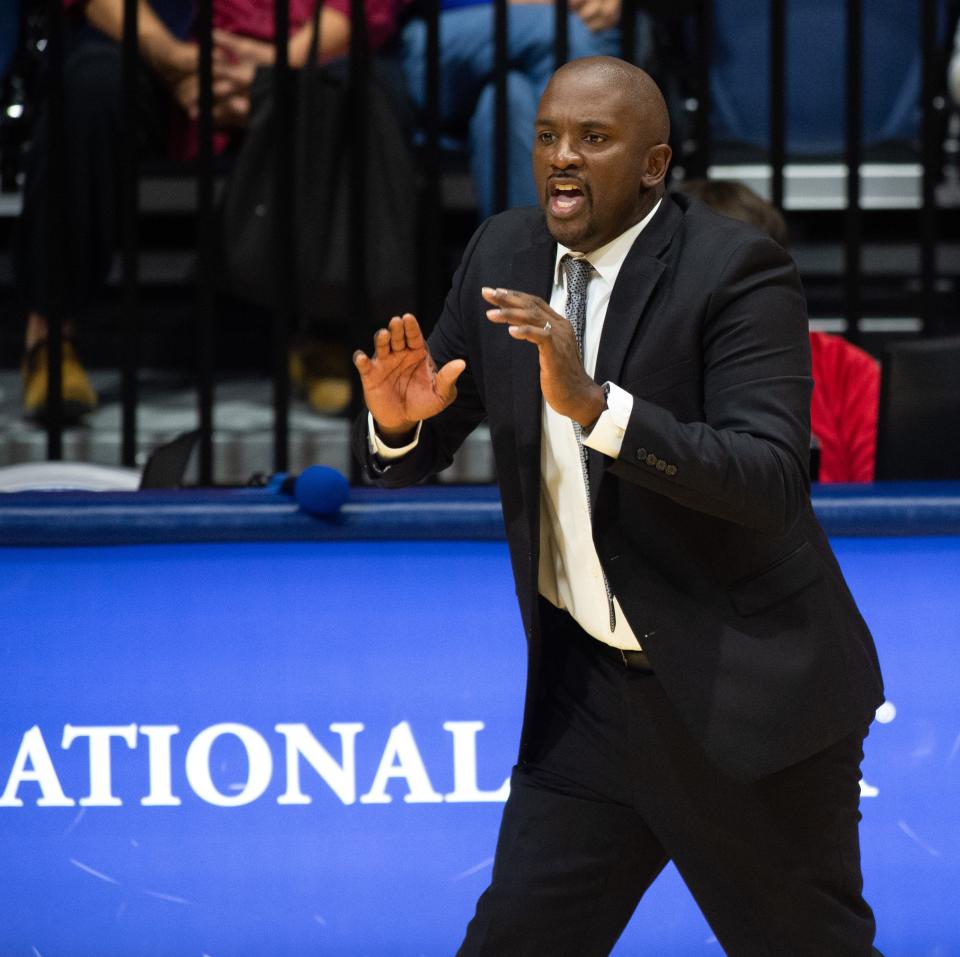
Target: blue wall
401	638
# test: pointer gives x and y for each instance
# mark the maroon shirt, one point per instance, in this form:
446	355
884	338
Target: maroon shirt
255	18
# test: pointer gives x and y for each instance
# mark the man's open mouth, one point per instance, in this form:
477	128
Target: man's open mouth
566	199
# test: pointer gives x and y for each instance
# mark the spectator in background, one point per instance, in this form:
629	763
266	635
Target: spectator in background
169	94
467	86
846	380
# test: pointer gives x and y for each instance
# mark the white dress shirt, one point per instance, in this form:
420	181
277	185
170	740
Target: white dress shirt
570	575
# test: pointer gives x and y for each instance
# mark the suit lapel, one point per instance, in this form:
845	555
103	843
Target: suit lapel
638	278
639	275
531	271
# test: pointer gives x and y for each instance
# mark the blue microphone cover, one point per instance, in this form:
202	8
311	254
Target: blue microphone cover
320	490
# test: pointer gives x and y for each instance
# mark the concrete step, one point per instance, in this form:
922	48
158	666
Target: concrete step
243	437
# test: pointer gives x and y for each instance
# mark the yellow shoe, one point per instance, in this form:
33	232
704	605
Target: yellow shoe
78	394
320	373
329	396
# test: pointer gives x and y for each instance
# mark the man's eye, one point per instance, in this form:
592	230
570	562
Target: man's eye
594	138
545	137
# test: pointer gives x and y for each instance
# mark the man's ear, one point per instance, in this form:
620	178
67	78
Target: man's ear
656	164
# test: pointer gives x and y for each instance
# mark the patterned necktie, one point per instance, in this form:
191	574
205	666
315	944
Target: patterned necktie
578	273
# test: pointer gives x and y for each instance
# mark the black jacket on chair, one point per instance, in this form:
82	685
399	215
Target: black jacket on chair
703	523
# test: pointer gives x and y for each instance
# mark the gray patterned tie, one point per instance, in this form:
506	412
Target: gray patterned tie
578	273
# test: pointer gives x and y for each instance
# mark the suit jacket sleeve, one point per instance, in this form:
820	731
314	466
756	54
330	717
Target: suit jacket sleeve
746	458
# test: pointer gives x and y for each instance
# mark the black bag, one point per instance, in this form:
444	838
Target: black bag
322	163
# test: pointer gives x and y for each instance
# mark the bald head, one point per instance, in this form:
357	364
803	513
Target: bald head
622	79
600	154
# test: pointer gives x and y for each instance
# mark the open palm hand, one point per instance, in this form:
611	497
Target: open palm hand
401	383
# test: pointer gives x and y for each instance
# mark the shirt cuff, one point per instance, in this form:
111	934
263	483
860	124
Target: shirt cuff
383	451
606	435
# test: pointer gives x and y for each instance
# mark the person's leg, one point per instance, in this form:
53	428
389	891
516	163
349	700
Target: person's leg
582	41
91	114
91	85
573	857
531	46
775	864
569	869
91	134
466	60
531	63
522	101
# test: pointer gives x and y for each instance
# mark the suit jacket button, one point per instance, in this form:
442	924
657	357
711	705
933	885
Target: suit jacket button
651	459
661	465
641	454
671	470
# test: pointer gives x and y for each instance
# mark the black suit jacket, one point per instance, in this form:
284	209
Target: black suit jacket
703	523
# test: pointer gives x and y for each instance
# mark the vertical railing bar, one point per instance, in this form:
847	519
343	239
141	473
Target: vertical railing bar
854	151
701	161
500	138
283	251
778	100
358	78
206	244
359	69
129	165
628	30
56	232
561	43
359	72
431	220
928	209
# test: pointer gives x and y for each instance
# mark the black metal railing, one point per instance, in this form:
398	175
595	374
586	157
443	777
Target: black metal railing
854	157
431	280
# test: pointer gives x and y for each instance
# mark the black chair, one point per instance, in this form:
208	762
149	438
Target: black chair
919	429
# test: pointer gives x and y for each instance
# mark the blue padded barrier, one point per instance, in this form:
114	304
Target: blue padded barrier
425	513
291	735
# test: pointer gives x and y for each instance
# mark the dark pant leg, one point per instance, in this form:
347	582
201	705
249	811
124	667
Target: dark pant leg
774	864
573	857
92	133
568	872
617	784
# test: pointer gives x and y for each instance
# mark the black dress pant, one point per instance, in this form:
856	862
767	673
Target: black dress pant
92	137
617	786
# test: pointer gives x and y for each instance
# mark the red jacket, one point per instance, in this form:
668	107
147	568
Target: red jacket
843	410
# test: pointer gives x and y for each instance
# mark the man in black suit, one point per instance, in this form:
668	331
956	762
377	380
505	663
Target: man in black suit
700	681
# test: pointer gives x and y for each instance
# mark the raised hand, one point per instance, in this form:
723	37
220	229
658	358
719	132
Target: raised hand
177	63
235	65
564	382
401	384
597	14
239	49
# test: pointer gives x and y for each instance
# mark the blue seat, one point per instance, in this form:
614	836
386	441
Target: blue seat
9	32
816	56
